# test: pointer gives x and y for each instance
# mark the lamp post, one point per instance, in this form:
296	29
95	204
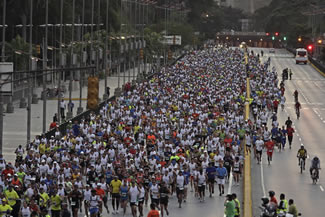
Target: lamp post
3	59
45	64
80	108
29	101
106	96
70	105
61	61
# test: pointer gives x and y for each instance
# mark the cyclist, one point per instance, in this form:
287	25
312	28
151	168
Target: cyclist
298	107
295	94
302	154
315	165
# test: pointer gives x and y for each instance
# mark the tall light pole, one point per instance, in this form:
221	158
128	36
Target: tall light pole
92	30
45	63
61	60
105	97
69	113
3	58
29	102
80	108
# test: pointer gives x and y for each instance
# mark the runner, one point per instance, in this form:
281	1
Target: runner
164	192
269	145
221	176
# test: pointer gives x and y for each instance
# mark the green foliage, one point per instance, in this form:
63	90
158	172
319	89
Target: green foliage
21	57
286	17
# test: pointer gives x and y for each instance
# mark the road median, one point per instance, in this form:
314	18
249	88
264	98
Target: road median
247	164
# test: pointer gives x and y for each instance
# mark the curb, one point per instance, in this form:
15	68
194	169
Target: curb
317	69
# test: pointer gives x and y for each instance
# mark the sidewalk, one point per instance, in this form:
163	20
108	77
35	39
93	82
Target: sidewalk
15	124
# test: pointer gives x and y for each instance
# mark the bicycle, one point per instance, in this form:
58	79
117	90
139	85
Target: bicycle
302	164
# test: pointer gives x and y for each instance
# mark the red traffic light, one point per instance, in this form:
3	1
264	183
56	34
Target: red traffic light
310	47
267	34
276	34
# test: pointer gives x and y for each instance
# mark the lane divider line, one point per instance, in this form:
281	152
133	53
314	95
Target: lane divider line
262	178
321	188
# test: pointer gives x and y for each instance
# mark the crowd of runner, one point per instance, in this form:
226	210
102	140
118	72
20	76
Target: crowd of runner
178	133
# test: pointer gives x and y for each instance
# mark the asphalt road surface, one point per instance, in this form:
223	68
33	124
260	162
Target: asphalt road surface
283	175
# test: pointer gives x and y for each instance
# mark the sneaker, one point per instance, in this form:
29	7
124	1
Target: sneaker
116	212
113	212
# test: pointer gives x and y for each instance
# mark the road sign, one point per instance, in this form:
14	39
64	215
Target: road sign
172	40
5	75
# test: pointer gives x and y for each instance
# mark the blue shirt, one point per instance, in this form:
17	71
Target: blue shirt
211	172
221	172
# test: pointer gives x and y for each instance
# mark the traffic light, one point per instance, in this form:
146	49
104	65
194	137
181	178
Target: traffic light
141	53
299	39
273	38
276	34
284	38
267	34
38	49
310	48
320	41
93	90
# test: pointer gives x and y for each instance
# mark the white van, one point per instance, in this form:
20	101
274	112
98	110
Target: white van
301	56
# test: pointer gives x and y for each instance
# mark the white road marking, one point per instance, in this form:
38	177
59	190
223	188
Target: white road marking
321	188
229	186
262	179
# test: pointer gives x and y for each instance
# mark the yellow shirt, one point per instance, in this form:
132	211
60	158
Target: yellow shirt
116	186
41	148
4	209
11	197
45	197
56	202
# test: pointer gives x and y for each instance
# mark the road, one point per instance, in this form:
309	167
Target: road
283	175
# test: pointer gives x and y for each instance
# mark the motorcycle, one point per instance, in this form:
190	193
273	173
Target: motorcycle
268	209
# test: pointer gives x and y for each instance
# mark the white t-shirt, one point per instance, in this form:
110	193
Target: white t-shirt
180	181
259	145
134	192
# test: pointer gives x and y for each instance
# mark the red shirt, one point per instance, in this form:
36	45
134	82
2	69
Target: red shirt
153	213
100	192
290	131
269	146
275	103
273	200
7	171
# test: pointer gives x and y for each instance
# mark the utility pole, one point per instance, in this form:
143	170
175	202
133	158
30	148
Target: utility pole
69	113
61	61
29	102
45	63
105	96
2	59
80	109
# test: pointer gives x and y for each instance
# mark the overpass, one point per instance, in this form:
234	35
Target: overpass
252	39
